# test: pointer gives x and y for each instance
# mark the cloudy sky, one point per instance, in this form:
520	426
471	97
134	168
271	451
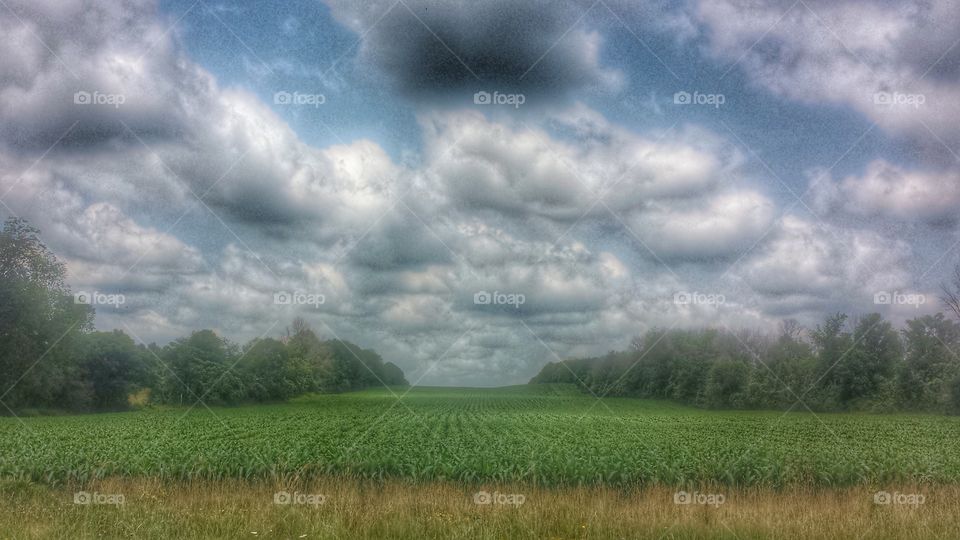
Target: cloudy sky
476	188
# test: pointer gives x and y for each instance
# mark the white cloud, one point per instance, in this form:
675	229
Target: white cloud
847	52
519	169
720	225
817	266
885	189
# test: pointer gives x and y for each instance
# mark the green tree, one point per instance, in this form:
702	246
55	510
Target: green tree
832	345
930	363
393	375
305	348
39	325
113	366
270	373
870	367
787	369
726	384
199	368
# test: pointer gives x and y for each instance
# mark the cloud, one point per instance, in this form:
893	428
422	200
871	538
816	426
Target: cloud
895	63
717	226
430	48
245	161
103	232
175	133
558	171
815	266
101	49
887	190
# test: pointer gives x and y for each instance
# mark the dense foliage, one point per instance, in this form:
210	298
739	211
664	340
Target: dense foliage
543	434
51	359
839	365
208	367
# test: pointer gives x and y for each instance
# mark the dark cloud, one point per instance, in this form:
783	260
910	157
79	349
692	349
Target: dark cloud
94	72
438	47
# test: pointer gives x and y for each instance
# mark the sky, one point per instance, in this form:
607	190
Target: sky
474	189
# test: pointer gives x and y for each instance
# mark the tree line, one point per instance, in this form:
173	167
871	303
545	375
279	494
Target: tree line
840	365
52	359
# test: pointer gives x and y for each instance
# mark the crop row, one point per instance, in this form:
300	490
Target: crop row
560	438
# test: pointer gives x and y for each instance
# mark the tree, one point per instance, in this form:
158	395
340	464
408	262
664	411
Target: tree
786	369
39	324
726	384
832	345
930	363
305	348
270	374
393	375
200	369
872	360
113	366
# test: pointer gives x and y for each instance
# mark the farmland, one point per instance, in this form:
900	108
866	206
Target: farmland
544	435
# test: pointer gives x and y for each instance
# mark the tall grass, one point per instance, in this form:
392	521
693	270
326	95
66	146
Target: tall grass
156	508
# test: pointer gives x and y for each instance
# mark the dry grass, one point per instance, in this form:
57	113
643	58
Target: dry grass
397	509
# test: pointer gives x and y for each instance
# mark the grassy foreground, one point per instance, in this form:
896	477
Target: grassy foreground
536	435
397	509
